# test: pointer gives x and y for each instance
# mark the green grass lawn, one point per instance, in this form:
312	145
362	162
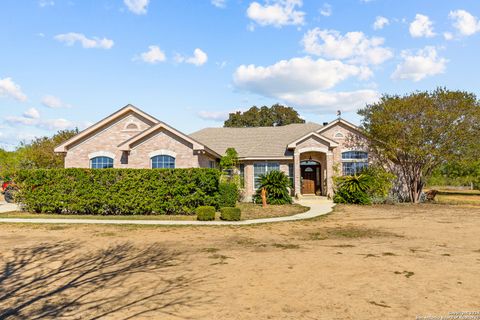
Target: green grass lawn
249	211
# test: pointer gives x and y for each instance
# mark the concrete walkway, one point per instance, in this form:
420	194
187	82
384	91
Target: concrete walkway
318	207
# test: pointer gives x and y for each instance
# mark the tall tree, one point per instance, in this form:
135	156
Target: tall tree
39	153
276	115
420	131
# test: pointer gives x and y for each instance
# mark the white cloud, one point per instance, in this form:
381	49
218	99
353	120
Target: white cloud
32	113
318	101
417	66
199	58
47	124
422	26
356	47
304	82
448	36
277	13
137	6
54	102
326	10
46	3
219	3
380	23
153	55
464	22
296	74
213	115
10	89
71	38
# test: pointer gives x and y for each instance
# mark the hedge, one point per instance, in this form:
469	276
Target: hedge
118	191
205	213
228	194
230	214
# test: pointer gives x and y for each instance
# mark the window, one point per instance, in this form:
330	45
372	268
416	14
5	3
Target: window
350	155
212	164
291	174
163	161
353	162
101	163
339	135
262	168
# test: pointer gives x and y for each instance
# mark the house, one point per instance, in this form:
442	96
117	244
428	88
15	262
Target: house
309	153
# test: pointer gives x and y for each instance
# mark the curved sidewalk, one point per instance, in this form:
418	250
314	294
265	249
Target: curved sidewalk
318	207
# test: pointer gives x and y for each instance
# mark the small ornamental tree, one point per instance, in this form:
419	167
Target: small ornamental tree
417	133
230	160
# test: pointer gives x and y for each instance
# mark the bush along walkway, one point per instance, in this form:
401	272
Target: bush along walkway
318	207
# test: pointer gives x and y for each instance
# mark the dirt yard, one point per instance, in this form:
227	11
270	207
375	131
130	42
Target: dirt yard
380	262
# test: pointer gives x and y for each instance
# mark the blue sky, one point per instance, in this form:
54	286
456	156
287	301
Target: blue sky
67	63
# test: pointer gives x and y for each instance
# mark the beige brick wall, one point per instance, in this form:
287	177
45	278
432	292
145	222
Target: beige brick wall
164	140
106	140
351	140
110	137
249	186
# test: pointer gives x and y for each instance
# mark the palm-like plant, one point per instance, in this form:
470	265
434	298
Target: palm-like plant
276	184
355	183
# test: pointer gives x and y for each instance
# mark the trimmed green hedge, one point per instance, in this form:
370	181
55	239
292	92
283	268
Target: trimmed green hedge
118	191
230	214
228	194
205	213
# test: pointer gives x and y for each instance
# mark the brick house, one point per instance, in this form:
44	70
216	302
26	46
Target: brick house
309	153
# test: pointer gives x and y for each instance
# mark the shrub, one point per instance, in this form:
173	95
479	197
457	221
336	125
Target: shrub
228	194
230	214
355	197
372	185
276	184
117	191
205	213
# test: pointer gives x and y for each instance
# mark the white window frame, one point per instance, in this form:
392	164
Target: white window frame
362	160
266	170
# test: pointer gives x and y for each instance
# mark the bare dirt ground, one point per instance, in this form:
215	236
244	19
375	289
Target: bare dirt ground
379	262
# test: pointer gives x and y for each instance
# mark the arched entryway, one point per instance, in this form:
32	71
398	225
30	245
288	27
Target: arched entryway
311	177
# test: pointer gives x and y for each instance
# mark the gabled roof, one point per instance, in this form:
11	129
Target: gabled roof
127	145
257	142
339	120
104	122
330	142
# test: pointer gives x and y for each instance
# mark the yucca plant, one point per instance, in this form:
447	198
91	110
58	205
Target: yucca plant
276	183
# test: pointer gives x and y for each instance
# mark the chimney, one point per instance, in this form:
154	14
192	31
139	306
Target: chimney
325	123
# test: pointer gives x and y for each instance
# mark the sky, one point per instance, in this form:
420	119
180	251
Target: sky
70	63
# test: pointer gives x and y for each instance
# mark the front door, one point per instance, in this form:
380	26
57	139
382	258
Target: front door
309	178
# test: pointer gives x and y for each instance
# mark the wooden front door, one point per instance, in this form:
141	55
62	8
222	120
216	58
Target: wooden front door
309	178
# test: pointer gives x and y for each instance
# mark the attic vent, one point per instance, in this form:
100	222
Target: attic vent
131	126
339	135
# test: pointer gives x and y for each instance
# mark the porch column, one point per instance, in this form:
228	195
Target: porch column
297	173
330	174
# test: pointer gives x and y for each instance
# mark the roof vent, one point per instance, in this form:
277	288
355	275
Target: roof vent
325	123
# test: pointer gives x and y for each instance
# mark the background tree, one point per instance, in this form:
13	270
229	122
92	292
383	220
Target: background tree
276	115
39	152
420	131
457	173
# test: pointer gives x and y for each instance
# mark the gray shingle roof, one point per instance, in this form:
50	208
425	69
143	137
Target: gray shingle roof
254	142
